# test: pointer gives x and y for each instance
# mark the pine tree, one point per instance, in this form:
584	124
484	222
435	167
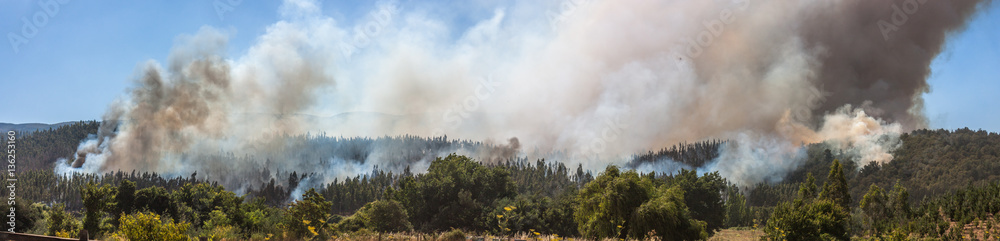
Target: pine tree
835	188
807	190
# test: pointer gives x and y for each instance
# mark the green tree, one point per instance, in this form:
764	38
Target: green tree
385	216
899	200
835	188
57	220
309	216
819	219
807	190
666	216
703	196
623	205
96	200
27	216
808	218
737	209
155	199
885	211
124	200
875	207
455	193
608	203
528	212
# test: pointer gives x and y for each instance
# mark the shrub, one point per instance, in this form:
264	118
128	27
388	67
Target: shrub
27	216
623	205
821	219
148	226
667	217
385	216
456	192
809	218
222	233
308	217
351	224
453	235
608	202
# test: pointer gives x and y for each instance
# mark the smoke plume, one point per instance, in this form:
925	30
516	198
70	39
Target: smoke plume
582	81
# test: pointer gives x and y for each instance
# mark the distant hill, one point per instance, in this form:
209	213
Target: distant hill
39	145
929	163
26	128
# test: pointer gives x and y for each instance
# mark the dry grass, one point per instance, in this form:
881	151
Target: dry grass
737	234
725	234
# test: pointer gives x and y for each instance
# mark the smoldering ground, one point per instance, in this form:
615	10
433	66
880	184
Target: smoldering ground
768	75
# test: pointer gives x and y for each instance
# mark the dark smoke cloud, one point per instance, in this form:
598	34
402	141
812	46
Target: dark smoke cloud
866	59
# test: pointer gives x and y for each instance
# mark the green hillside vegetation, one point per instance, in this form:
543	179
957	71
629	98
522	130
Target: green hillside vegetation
941	184
39	149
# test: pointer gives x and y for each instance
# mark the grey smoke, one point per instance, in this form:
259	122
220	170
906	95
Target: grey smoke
774	75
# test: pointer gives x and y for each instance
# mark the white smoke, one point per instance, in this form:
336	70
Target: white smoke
770	75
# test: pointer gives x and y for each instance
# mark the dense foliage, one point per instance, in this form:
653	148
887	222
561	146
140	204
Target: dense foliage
941	184
624	205
936	162
455	192
694	154
812	217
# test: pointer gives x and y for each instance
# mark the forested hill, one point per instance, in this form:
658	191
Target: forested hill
935	162
928	163
26	128
935	169
38	149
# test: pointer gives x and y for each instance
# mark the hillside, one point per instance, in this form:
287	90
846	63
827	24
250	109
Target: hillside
936	170
928	163
38	150
26	128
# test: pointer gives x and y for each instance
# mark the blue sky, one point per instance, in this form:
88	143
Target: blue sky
85	55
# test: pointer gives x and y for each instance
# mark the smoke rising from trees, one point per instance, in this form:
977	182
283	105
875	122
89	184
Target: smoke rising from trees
590	83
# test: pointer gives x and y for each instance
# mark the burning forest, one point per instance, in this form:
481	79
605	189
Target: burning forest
545	106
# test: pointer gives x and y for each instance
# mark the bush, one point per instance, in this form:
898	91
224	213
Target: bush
351	224
667	217
222	233
308	217
816	220
541	213
608	202
61	223
27	216
809	217
453	235
57	219
148	226
385	216
96	200
623	205
456	192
